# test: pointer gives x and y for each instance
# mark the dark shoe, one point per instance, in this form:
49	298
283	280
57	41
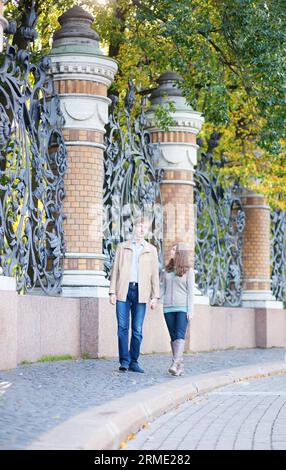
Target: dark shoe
123	369
136	368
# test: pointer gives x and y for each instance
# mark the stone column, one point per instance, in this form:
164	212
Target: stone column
178	157
82	75
3	25
256	252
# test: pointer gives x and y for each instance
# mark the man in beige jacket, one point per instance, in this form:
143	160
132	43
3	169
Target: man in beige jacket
134	282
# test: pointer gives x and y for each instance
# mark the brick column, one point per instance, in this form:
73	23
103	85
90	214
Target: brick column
256	252
178	157
82	75
3	25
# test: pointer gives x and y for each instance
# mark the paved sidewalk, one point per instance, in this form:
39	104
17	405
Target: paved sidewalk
250	415
36	398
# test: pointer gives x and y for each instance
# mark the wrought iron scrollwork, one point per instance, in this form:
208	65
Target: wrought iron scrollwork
32	168
278	254
220	224
131	183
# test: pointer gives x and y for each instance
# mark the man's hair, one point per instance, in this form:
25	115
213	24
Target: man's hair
142	220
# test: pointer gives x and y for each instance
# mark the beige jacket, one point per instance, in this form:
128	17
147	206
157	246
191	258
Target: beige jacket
148	276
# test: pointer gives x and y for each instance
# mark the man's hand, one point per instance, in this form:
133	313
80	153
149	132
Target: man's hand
189	316
112	299
154	303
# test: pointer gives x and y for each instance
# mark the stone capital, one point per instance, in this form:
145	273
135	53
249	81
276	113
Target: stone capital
184	121
177	143
76	57
75	66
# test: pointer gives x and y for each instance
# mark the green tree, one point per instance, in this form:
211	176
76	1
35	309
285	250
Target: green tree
231	54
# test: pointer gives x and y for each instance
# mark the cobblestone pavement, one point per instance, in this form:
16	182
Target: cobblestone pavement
36	397
249	415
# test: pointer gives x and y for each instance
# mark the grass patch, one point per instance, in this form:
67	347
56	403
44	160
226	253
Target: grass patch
64	357
86	355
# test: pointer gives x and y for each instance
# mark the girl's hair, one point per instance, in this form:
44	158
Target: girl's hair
180	264
170	266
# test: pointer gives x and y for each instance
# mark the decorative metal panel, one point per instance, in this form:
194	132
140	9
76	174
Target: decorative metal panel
131	184
32	168
220	224
278	254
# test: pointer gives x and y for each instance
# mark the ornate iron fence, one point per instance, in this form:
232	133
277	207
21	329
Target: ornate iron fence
278	255
131	183
220	224
32	167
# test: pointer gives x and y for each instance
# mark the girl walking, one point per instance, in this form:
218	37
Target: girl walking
177	296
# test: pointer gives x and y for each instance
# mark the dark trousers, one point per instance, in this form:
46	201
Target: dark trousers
123	310
177	323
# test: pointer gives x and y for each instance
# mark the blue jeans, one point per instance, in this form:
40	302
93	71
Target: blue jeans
177	323
123	319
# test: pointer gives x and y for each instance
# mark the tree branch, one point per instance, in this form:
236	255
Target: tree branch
218	49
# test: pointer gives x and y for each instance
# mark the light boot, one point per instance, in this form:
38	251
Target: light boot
180	368
179	356
172	369
178	345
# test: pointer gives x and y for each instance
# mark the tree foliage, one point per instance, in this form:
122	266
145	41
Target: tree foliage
231	54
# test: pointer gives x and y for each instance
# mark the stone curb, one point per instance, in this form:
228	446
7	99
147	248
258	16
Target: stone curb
106	427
